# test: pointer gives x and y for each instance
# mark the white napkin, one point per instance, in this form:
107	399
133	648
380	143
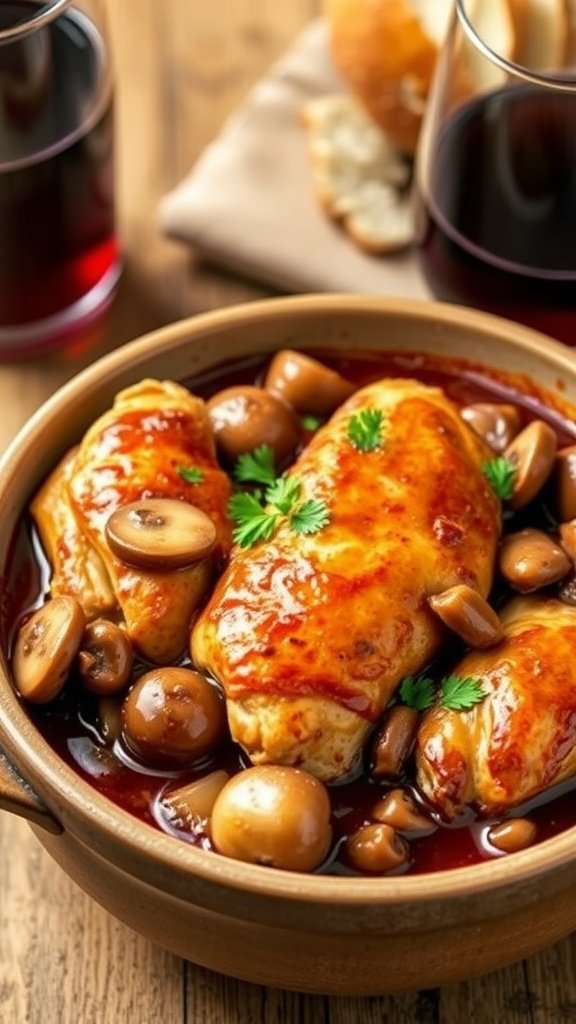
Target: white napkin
248	203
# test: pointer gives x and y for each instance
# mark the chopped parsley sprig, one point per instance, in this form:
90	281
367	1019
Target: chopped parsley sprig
366	430
256	467
258	514
417	693
311	423
457	693
191	474
501	475
253	522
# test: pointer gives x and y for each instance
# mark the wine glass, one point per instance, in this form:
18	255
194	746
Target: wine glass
58	255
495	177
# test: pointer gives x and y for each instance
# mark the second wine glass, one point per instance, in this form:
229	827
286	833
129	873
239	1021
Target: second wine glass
495	178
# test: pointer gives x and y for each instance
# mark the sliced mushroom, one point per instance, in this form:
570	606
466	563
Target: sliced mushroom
512	835
243	418
394	742
466	613
531	559
189	805
495	424
105	658
306	384
565	473
568	539
45	648
160	534
109	720
399	810
532	453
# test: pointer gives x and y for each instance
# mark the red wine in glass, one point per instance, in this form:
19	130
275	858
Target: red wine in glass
497	227
58	252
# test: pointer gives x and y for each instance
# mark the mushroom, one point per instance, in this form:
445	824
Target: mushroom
466	613
306	384
376	849
532	453
496	424
273	815
160	534
105	658
530	559
45	648
173	717
512	835
245	417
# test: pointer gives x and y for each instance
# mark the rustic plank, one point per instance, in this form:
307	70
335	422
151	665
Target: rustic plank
499	996
63	959
215	999
551	981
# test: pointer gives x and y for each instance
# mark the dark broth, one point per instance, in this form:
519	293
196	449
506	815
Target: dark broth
70	723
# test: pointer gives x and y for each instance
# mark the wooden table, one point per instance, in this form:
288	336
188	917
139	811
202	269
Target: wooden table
181	67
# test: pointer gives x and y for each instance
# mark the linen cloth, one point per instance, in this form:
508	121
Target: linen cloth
248	204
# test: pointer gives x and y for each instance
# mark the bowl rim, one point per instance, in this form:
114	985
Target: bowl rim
75	801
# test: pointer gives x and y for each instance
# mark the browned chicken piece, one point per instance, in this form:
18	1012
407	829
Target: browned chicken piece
521	738
133	451
310	635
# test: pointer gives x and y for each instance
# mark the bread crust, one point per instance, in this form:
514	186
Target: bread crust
386	56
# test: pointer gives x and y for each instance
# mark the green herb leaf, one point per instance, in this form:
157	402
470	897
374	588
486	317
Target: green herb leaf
284	493
253	523
310	517
191	474
460	694
365	429
256	467
501	475
310	422
417	692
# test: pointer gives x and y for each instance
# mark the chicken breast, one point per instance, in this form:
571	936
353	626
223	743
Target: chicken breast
133	451
310	634
521	739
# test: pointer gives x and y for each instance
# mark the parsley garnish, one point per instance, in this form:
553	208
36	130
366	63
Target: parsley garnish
501	475
256	467
365	429
460	694
456	693
417	693
191	474
310	517
310	422
284	493
256	521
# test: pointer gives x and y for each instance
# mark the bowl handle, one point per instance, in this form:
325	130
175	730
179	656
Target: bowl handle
19	798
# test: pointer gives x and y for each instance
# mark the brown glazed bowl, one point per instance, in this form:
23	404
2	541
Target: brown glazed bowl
310	933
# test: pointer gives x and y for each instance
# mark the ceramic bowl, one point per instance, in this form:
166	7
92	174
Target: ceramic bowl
305	932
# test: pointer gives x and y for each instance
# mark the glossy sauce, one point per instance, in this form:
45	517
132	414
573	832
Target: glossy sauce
70	724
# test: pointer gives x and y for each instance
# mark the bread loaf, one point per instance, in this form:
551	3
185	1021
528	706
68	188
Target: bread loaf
359	176
386	50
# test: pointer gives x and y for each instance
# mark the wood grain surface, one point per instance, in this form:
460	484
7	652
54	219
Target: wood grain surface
181	67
